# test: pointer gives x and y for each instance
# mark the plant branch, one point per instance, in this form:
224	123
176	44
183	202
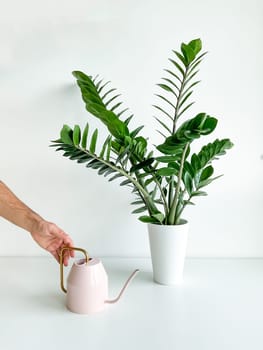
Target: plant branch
145	195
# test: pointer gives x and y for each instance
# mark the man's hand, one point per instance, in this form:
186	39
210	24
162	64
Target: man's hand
50	237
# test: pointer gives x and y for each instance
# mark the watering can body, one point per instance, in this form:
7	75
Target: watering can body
87	285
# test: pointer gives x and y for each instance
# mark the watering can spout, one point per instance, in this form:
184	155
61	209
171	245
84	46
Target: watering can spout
112	301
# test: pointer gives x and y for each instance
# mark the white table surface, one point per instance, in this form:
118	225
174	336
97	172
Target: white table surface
219	306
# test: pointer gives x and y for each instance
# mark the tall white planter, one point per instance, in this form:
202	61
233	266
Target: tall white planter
168	250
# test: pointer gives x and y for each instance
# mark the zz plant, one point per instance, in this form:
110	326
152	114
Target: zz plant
163	184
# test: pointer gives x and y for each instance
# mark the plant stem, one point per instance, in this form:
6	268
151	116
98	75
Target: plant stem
171	185
179	99
166	209
172	219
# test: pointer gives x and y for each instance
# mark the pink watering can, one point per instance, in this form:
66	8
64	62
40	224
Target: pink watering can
87	284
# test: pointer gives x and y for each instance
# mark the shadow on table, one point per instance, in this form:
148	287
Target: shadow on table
46	301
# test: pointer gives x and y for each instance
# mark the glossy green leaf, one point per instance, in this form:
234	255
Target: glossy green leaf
104	146
172	83
159	217
85	136
103	169
195	162
115	177
163	125
139	210
166	171
125	182
93	141
66	135
139	201
188	53
166	88
166	159
181	57
148	219
196	45
199	193
136	131
142	164
173	74
177	65
188	183
166	100
163	111
76	135
206	173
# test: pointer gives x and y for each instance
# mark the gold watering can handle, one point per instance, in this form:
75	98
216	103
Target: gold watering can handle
62	266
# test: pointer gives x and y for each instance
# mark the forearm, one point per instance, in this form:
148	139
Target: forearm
15	211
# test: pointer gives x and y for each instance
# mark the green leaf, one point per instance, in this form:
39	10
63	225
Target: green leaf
166	100
166	171
76	135
139	201
166	159
136	131
148	219
139	210
173	74
142	164
128	119
185	98
195	162
199	193
115	177
163	125
206	173
196	45
84	158
169	149
76	154
164	112
159	217
188	53
177	65
85	136
108	149
103	169
112	99
166	88
104	146
188	183
172	83
93	141
181	57
66	135
212	150
125	182
185	109
188	167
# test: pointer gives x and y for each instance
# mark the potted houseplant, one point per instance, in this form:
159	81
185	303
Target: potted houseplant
164	180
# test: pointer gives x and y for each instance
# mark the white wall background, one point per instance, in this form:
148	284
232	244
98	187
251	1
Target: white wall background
128	42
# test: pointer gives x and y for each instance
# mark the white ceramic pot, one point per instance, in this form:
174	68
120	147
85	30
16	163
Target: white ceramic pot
168	249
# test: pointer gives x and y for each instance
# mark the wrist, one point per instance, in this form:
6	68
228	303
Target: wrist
33	222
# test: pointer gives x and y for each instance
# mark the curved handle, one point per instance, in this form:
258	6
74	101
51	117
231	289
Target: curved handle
61	264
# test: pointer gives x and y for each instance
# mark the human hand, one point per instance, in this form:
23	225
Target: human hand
51	238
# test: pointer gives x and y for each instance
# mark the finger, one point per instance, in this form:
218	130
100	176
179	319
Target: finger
66	258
